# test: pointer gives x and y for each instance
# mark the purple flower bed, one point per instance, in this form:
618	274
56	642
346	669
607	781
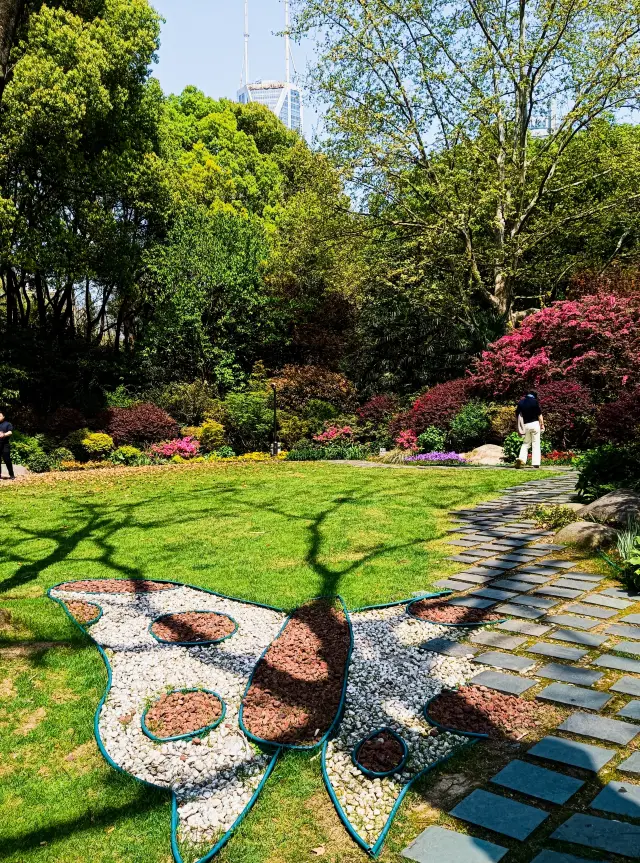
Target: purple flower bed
438	458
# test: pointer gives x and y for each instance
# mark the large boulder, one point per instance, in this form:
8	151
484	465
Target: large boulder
587	535
616	508
489	454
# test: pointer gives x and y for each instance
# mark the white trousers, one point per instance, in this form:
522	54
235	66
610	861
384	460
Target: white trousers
531	439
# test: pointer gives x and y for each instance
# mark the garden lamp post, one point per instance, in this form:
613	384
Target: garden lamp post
275	446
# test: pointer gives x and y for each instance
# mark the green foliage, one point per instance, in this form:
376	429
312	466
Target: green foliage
294	429
211	436
38	462
550	516
309	452
432	439
130	456
61	454
225	452
120	398
249	420
513	443
97	445
470	427
318	412
188	403
607	468
75	442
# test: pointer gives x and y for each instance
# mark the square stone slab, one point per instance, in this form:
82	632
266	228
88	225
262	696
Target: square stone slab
449	584
535	601
585	638
518	558
465	543
554	857
627	685
631	765
563	592
560	564
628	647
611	730
439	845
591	610
477	553
448	648
505	660
631	618
573	584
586	576
537	782
573	753
569	674
508	683
528	578
498	563
630	710
620	798
548	546
624	630
491	593
557	651
500	814
524	626
520	611
513	584
619	663
607	601
574	696
462	558
622	594
602	834
494	639
486	574
570	620
471	602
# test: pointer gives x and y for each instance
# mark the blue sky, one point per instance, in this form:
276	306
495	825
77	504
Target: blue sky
202	44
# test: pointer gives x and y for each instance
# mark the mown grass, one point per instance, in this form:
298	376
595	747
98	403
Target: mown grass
272	533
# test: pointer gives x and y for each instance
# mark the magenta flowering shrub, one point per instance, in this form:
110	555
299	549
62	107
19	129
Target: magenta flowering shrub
407	440
334	434
185	447
439	458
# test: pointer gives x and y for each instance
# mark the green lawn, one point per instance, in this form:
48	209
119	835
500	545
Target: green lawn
273	533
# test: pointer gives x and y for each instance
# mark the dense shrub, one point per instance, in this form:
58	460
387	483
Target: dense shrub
407	440
293	429
619	421
141	424
120	398
432	439
129	455
317	412
378	410
594	340
568	411
332	453
513	443
188	403
63	421
470	426
335	434
550	516
438	458
438	406
184	448
297	385
249	420
74	441
503	421
607	468
211	436
38	462
60	454
97	445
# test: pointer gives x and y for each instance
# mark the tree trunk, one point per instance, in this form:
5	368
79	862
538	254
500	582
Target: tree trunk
11	12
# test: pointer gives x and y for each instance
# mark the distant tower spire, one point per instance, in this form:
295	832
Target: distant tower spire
246	42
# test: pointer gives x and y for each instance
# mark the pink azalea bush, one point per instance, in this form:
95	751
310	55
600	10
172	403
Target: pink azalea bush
185	447
407	440
334	434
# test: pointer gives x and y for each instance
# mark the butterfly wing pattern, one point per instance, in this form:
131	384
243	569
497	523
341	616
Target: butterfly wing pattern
215	777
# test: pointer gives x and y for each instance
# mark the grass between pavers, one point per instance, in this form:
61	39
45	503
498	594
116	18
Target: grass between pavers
278	534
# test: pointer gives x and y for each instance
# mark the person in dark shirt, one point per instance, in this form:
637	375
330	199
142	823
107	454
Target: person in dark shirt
6	430
531	427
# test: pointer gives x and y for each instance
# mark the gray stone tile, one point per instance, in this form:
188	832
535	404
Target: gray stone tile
477	553
480	570
585	576
497	563
557	651
601	834
574	696
471	602
529	579
631	618
537	782
627	685
447	647
524	626
624	630
560	564
462	558
563	592
505	660
535	601
591	610
601	728
500	814
494	639
631	647
584	638
569	674
570	620
513	543
554	857
622	594
520	611
573	753
619	663
518	558
439	845
491	593
631	765
464	543
538	570
573	584
472	577
449	584
619	798
631	710
513	584
607	601
548	546
508	683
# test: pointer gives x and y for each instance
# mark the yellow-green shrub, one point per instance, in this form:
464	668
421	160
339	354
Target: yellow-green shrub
97	445
211	436
503	421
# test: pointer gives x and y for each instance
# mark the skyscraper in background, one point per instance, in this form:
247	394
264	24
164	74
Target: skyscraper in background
282	97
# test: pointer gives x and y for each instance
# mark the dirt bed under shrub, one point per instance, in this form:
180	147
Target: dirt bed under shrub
439	611
193	627
115	585
297	685
380	753
183	713
83	612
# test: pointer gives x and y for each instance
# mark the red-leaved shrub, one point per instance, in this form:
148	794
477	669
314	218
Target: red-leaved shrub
568	410
594	340
63	421
437	407
378	410
296	385
141	424
619	421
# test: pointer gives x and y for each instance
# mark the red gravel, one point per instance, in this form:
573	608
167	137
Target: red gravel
297	686
83	612
485	711
115	585
381	753
193	626
438	611
183	713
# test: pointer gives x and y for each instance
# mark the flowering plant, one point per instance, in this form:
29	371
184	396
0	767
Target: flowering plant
438	458
334	434
559	457
185	447
407	440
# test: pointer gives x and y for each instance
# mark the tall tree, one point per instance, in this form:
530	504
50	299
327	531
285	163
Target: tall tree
431	106
11	12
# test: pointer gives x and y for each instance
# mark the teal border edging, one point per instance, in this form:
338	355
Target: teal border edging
402	601
456	625
376	774
375	849
190	734
89	622
425	712
192	643
343	694
175	820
